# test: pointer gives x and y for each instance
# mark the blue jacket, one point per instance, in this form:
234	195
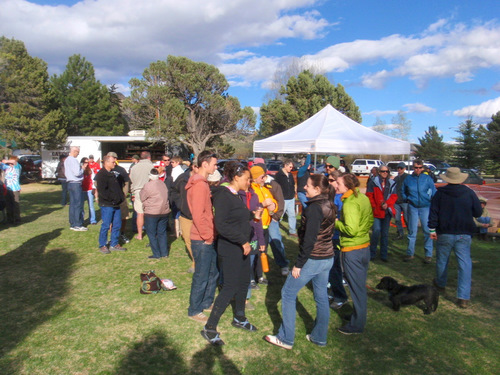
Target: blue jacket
418	190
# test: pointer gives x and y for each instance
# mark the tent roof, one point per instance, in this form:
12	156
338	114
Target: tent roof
329	131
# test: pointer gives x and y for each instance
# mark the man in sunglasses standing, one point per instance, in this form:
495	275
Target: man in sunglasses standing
418	190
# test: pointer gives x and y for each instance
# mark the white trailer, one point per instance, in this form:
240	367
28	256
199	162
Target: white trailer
98	146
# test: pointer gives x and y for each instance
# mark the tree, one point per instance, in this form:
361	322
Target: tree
492	144
303	96
90	107
28	113
468	148
187	101
431	145
402	127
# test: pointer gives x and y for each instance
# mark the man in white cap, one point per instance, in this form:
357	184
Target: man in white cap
451	223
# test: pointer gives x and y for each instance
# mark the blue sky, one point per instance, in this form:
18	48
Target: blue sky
438	61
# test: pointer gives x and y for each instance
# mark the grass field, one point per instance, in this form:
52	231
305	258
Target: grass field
67	309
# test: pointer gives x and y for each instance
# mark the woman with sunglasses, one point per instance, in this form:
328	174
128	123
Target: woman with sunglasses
232	222
382	194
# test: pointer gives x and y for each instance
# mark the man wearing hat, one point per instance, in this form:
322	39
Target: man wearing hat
451	223
484	221
332	164
95	166
401	206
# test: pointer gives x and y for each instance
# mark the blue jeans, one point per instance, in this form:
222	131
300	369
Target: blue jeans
380	231
64	193
156	229
75	204
277	244
401	207
315	270
336	277
110	215
290	212
460	244
302	198
88	197
414	215
204	278
483	220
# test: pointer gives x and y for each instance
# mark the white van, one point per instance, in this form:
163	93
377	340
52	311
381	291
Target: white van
364	166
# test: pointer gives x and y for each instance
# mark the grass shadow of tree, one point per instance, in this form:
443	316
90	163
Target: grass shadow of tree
39	205
32	285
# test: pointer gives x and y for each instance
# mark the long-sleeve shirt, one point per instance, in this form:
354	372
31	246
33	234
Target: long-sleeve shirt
73	170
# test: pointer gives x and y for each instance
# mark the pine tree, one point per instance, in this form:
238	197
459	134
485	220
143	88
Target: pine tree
91	109
28	113
431	145
468	148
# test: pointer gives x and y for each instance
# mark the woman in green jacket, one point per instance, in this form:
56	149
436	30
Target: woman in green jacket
354	225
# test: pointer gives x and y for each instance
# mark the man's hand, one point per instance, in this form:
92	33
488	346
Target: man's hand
434	236
296	272
246	248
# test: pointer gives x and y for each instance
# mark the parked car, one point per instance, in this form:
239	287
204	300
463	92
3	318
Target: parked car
473	179
364	166
274	166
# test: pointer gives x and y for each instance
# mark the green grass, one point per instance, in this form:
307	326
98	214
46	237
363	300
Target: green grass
67	309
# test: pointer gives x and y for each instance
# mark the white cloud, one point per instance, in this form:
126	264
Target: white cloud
256	110
379	113
418	108
481	111
125	36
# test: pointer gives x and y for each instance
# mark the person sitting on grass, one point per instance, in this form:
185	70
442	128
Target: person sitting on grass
484	221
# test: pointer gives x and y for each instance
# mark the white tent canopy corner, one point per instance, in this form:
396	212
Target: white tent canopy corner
330	131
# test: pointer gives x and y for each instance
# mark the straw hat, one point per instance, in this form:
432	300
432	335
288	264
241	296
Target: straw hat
454	176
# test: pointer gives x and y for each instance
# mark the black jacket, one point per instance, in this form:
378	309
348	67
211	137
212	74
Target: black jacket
452	210
108	188
316	230
287	184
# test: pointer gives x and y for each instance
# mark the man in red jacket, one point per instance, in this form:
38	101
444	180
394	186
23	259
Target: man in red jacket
381	192
202	238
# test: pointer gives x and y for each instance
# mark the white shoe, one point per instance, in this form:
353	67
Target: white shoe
276	341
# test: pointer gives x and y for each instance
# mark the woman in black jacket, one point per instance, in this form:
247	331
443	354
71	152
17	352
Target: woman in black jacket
232	221
313	264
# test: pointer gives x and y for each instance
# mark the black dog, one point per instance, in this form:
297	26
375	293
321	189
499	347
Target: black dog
409	295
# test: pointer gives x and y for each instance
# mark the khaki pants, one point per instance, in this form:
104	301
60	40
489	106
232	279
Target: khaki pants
186	225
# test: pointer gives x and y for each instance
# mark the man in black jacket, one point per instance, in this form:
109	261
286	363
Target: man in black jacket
401	206
451	224
110	196
285	178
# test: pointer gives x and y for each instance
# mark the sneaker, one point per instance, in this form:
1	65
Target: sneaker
82	229
117	248
308	337
253	285
408	258
212	337
124	239
463	303
74	228
337	305
246	325
427	260
441	289
104	250
285	271
347	331
200	317
263	281
276	341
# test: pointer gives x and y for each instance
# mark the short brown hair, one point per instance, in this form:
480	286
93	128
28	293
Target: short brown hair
205	156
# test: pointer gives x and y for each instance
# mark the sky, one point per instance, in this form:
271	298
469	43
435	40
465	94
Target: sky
437	61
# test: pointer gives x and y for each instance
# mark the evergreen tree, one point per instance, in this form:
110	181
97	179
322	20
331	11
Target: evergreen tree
302	97
28	113
492	144
431	145
90	108
468	148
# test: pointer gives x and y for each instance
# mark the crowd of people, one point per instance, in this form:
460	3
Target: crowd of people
228	221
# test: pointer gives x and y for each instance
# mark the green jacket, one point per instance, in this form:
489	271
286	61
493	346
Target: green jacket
356	220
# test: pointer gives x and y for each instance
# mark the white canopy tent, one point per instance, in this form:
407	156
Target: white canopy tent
329	131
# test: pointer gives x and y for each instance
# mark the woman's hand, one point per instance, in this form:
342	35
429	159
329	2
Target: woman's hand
262	248
296	272
246	248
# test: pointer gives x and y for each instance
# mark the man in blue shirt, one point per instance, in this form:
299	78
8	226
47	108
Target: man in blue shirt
74	178
418	190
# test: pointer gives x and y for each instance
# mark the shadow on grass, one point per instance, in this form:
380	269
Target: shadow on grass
157	354
36	205
32	284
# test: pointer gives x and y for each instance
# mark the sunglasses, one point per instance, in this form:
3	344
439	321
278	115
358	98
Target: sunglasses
166	159
418	167
384	171
328	166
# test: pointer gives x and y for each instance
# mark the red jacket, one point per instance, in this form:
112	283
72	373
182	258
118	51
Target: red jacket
379	195
200	205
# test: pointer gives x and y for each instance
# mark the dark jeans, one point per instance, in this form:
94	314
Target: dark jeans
110	215
277	247
12	206
64	193
380	231
236	270
156	229
75	204
335	278
204	278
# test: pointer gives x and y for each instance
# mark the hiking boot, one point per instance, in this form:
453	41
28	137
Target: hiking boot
117	248
200	317
427	260
463	303
276	341
104	250
408	258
